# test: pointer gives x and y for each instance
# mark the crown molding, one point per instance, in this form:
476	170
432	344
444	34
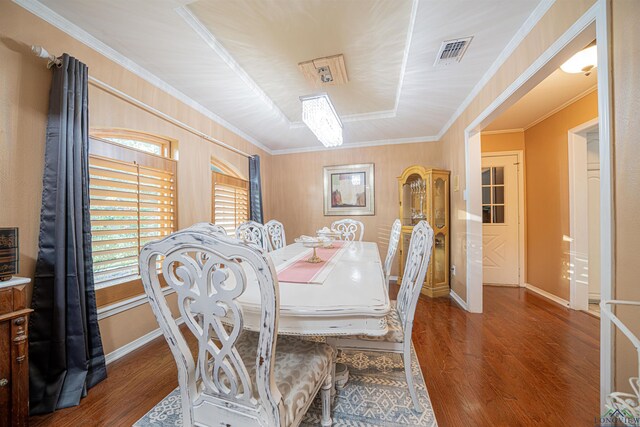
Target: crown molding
363	144
562	107
502	131
66	26
515	41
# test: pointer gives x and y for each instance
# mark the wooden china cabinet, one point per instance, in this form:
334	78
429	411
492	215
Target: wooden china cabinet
424	194
14	353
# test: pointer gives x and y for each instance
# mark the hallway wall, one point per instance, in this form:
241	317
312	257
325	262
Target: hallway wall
547	168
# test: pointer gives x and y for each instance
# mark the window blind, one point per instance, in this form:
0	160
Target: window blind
131	204
230	201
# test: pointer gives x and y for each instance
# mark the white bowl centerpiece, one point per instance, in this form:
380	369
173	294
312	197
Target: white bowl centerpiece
329	234
314	242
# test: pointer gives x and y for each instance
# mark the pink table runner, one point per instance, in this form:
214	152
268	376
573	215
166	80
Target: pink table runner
302	271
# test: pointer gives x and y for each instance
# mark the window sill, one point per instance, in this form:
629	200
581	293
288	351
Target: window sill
115	282
128	304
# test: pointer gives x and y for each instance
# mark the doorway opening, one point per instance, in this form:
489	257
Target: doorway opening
584	203
593	23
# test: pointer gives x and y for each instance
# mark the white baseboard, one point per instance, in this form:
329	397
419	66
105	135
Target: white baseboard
393	278
458	300
548	295
135	344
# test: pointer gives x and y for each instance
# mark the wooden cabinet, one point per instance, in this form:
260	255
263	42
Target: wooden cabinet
424	194
14	353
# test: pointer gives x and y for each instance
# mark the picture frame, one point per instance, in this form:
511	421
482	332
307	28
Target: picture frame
349	190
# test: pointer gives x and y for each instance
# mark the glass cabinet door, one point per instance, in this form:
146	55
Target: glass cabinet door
439	201
414	195
439	259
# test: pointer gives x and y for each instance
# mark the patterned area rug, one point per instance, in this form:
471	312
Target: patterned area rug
376	395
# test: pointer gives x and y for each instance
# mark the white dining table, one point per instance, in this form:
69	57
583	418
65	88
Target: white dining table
351	300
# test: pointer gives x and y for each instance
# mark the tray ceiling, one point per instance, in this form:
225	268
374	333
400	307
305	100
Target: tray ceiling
239	59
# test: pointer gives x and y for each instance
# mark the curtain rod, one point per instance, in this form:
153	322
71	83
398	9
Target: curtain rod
52	60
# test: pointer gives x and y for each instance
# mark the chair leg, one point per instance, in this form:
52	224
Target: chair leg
409	375
326	401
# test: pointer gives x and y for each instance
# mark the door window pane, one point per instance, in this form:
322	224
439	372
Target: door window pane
486	214
498	214
498	175
498	195
486	195
493	188
486	176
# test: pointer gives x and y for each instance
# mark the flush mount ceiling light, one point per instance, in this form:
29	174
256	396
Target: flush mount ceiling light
320	116
582	62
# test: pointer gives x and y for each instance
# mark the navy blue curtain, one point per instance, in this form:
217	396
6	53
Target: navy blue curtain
255	189
65	350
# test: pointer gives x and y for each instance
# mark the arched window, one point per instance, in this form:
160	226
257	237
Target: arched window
133	200
229	198
142	141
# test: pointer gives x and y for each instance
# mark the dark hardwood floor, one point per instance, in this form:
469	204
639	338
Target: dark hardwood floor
525	361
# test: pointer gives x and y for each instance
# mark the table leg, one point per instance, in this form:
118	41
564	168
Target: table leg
341	375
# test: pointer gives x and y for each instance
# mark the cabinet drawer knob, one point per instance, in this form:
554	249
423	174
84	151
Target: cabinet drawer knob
4	382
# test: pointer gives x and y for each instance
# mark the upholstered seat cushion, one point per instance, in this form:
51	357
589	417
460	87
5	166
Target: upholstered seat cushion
300	368
394	325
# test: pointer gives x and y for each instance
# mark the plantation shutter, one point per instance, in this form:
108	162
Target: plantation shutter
133	201
230	201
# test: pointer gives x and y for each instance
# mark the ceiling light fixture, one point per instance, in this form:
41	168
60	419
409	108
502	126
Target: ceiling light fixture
582	62
320	116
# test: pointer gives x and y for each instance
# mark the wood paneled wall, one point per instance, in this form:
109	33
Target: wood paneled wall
626	126
296	186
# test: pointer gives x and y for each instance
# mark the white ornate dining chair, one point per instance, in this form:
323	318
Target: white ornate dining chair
253	232
400	319
394	238
275	232
234	377
349	229
209	227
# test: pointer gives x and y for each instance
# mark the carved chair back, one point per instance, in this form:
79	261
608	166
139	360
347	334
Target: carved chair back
253	232
275	232
209	227
415	270
394	238
208	272
349	229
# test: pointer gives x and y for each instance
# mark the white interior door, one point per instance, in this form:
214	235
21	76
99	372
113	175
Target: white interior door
500	219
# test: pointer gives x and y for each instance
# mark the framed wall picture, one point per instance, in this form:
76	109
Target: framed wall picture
349	190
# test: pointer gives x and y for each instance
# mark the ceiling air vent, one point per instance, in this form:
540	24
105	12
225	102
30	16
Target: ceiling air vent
452	51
